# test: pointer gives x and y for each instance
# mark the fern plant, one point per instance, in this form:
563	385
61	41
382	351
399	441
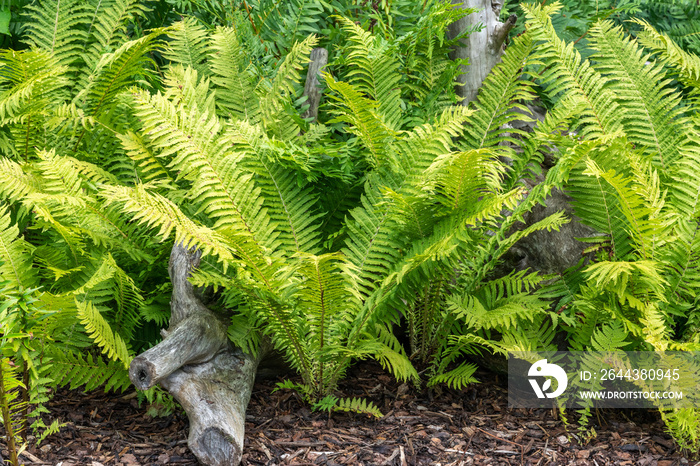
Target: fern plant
74	267
237	173
631	170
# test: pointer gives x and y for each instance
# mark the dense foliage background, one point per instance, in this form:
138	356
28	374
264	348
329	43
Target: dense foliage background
377	230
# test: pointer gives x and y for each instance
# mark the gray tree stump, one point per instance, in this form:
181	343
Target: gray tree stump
483	48
196	363
312	88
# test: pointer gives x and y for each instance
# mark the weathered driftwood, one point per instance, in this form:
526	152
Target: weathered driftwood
312	88
483	48
197	365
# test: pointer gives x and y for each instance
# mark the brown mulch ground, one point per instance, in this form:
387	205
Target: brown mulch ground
471	426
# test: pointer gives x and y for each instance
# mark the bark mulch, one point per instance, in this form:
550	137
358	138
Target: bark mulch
470	426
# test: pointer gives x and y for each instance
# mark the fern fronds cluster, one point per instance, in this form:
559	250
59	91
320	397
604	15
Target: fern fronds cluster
631	167
73	266
228	166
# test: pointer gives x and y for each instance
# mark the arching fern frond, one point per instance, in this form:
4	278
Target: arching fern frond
290	205
188	45
150	166
226	194
565	71
107	30
115	71
594	199
462	178
155	210
58	27
362	114
30	82
15	256
89	372
687	65
652	113
99	330
496	105
643	222
234	76
456	378
374	71
276	104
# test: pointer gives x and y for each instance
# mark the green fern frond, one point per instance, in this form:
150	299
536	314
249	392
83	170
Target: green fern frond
496	105
669	52
87	371
374	71
284	24
15	256
683	185
556	121
642	222
464	177
652	112
188	45
151	168
228	196
61	191
609	337
57	26
325	290
565	71
107	29
358	405
155	210
99	330
110	281
222	190
184	88
53	428
616	276
278	115
11	404
234	77
31	82
537	335
27	75
115	71
289	204
500	303
374	239
457	378
684	424
429	72
366	123
392	356
372	243
595	201
682	259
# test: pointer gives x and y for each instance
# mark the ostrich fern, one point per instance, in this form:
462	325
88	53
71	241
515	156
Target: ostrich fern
68	259
241	180
632	173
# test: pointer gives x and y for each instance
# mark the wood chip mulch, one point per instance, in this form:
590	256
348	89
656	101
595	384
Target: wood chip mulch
470	426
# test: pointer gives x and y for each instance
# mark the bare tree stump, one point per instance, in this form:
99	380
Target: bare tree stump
312	88
196	363
483	48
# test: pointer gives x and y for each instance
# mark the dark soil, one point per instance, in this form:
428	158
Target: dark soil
470	426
